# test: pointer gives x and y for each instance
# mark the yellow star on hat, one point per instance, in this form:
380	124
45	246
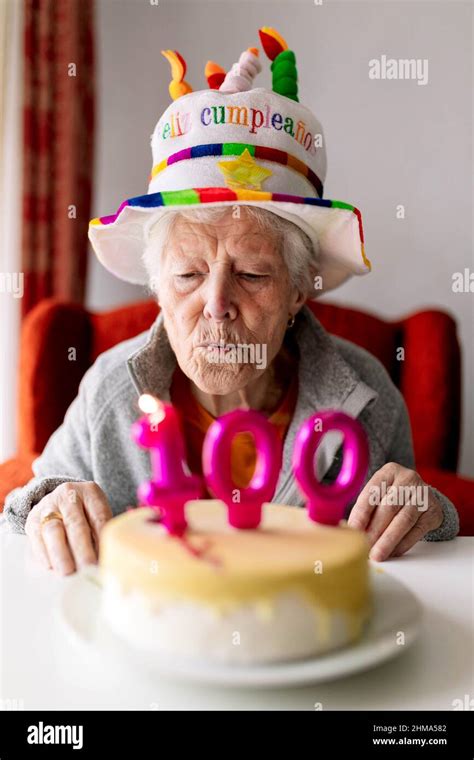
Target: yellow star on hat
244	172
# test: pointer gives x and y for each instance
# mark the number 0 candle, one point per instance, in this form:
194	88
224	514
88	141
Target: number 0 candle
171	485
327	502
244	505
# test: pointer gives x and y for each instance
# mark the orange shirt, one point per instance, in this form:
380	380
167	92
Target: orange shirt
196	421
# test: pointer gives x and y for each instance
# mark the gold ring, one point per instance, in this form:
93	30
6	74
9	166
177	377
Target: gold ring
51	516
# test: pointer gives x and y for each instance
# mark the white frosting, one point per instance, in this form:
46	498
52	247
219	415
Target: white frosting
241	75
288	628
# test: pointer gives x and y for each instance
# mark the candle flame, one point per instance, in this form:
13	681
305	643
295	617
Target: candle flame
152	406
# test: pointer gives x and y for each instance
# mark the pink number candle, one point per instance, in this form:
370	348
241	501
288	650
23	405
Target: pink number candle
327	502
171	485
245	511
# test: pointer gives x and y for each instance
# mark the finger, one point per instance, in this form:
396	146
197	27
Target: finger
54	537
423	526
367	501
77	528
393	534
381	519
33	531
401	493
98	511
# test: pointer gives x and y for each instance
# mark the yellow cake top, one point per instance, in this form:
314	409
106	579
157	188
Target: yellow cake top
214	561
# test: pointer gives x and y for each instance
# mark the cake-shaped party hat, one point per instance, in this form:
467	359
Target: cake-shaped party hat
240	77
236	143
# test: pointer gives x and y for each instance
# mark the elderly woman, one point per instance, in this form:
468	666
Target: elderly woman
231	278
224	282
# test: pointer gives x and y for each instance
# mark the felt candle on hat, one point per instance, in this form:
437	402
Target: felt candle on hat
172	485
327	502
244	505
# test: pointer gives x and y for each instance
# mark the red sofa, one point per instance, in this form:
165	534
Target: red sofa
428	377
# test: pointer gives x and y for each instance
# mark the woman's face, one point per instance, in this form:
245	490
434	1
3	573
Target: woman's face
224	284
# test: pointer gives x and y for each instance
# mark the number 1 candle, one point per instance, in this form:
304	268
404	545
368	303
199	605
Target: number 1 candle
171	485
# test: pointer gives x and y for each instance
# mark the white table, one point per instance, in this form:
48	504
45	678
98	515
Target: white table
44	670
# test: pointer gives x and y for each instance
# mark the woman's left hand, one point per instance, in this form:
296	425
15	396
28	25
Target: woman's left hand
396	509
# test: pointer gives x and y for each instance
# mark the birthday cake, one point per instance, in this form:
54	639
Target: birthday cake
291	588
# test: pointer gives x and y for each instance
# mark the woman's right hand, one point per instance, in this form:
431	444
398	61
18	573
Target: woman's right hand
69	539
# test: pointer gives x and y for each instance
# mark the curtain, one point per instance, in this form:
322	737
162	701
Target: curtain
58	124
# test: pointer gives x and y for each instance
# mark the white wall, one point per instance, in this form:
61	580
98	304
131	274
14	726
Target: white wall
389	142
11	114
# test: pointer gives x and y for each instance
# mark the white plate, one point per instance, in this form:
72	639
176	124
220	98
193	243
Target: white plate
396	619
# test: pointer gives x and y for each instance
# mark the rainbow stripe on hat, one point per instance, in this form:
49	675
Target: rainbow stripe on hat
200	195
236	149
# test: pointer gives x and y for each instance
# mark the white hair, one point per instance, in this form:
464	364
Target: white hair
296	247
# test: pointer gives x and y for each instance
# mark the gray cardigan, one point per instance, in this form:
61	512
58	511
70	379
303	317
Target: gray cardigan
94	442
